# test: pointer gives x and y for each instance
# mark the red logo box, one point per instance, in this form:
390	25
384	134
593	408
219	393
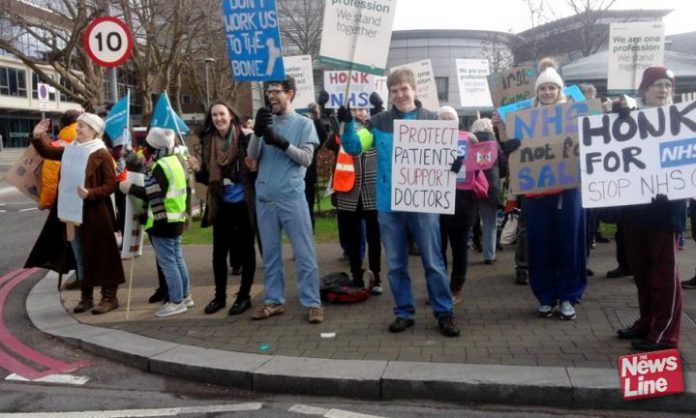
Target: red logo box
648	375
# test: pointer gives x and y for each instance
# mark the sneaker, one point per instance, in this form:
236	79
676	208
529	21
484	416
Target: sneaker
400	324
377	290
682	240
545	311
689	284
372	283
315	315
171	308
618	272
567	310
448	325
188	301
268	310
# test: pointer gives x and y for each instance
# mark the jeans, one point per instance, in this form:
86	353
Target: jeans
489	218
76	245
425	230
171	259
292	215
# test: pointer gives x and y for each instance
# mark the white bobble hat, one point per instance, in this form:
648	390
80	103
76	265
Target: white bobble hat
93	121
160	138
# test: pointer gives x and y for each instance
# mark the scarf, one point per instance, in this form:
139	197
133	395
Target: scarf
92	145
223	151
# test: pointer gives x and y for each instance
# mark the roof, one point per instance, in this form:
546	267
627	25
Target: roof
594	67
683	42
454	34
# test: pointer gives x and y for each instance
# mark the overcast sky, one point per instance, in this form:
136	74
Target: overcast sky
513	15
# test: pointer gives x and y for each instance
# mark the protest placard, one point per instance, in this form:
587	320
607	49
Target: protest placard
548	156
479	156
25	173
426	90
299	67
472	75
73	165
253	40
133	229
633	47
422	156
361	86
628	161
357	34
512	86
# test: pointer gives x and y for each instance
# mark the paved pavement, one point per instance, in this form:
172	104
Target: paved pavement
505	353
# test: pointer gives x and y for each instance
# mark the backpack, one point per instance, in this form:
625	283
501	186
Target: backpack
338	288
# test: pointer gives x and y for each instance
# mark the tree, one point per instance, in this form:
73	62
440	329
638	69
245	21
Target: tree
588	34
301	24
498	53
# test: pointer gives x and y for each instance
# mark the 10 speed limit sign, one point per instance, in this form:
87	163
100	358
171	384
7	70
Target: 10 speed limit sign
108	41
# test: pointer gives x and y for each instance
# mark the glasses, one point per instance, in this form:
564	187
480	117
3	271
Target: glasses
275	92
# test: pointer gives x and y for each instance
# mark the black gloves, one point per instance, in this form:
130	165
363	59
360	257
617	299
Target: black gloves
457	164
623	113
323	98
264	119
343	114
510	145
376	101
277	140
660	199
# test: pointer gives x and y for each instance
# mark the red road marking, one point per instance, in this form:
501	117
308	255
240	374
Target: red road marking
8	340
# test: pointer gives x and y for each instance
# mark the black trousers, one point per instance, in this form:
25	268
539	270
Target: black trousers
351	222
232	231
455	230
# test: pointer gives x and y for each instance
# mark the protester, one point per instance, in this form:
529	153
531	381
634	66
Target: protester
455	228
395	226
283	145
651	243
355	189
691	283
165	194
97	258
229	203
311	175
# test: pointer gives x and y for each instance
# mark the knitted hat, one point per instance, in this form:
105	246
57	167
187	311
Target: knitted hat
482	125
654	73
93	121
160	138
548	73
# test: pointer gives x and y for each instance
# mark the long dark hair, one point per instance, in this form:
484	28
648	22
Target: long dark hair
208	128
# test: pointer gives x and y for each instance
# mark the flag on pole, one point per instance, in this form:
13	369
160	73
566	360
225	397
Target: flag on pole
116	123
165	117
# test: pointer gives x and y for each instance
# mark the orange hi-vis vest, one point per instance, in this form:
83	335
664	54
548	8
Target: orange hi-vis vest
344	175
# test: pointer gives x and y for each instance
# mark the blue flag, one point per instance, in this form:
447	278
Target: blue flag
165	117
116	123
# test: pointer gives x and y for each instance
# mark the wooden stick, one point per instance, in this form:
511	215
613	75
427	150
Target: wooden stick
130	288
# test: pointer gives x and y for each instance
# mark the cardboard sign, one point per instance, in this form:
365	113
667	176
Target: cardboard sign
357	34
426	90
472	75
361	86
649	375
73	165
133	229
572	92
253	40
629	161
512	86
422	155
548	157
25	173
633	47
299	67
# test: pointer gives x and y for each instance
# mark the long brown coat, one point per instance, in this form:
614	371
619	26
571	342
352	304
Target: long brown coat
102	259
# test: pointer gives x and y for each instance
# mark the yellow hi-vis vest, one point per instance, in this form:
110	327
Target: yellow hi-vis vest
175	197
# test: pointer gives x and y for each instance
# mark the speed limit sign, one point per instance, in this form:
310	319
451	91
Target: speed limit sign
108	41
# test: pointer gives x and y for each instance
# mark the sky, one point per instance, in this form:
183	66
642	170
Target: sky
513	15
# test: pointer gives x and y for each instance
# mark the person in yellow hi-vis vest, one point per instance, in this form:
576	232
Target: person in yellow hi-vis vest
355	189
165	194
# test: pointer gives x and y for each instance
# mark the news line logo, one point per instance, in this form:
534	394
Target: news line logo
649	375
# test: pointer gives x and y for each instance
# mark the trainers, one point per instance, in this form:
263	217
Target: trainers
188	301
171	308
545	311
372	283
448	325
268	310
400	324
377	290
567	310
689	284
315	315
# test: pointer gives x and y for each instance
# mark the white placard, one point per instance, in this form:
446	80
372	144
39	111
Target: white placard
133	229
472	75
422	155
357	34
299	67
629	161
73	165
361	86
633	47
426	89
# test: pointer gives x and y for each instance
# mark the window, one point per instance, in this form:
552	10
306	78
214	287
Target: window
442	84
13	82
186	99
